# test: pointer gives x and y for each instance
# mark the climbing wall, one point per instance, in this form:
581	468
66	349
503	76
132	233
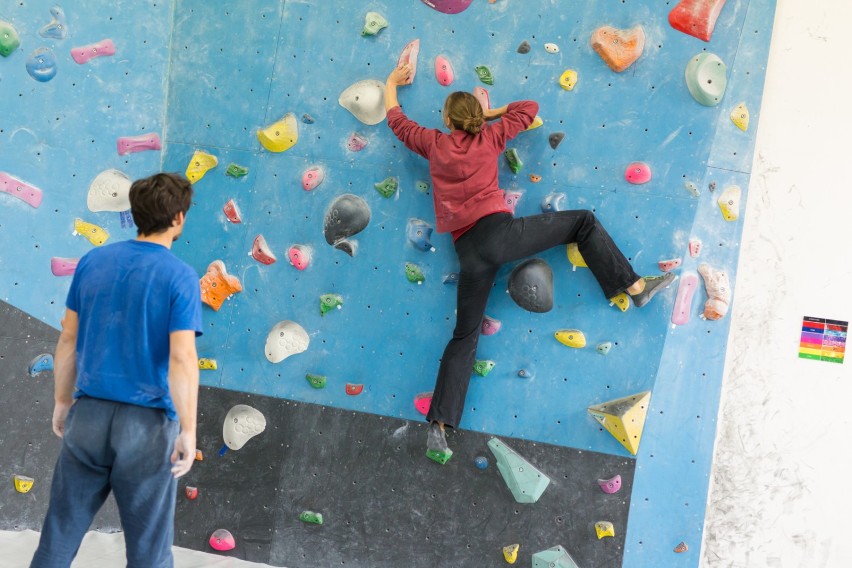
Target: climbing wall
233	70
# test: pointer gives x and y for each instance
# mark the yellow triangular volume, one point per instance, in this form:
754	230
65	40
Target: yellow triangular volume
624	418
281	135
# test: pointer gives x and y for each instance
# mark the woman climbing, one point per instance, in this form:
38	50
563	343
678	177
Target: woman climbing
470	205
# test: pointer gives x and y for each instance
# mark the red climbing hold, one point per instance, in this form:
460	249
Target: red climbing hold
261	252
353	389
191	492
422	402
696	17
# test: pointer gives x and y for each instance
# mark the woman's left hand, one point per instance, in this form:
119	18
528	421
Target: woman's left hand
401	75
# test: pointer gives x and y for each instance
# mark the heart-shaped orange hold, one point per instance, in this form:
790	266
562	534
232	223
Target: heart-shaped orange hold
619	48
217	285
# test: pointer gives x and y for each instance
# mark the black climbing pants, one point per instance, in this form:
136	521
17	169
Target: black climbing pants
492	242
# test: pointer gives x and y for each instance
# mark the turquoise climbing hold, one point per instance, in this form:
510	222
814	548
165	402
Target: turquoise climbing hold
706	78
556	557
524	480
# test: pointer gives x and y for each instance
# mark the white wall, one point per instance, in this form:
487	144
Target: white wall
779	491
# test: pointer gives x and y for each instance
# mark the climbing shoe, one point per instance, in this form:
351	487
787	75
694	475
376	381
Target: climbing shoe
436	444
653	284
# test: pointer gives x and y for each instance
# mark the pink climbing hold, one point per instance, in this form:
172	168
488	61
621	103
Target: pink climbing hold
299	256
694	247
669	265
222	540
261	252
63	266
683	302
448	6
312	178
27	193
482	96
512	198
86	53
638	173
444	71
232	212
490	326
696	17
610	486
422	402
409	56
356	142
130	144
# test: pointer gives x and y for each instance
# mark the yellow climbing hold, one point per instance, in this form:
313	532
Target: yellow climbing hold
568	79
571	338
23	484
574	256
207	364
604	528
200	164
537	121
622	302
94	234
624	418
281	135
729	202
510	553
739	116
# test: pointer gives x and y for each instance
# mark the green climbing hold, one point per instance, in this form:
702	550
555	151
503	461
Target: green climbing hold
556	557
387	187
373	24
236	171
484	74
413	273
440	457
9	40
483	367
330	301
311	517
513	160
422	186
316	381
524	481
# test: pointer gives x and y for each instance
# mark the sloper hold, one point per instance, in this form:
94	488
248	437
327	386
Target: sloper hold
718	292
241	424
347	215
624	418
23	484
510	553
9	39
109	191
409	57
706	78
523	479
286	338
140	143
571	337
696	17
200	164
531	285
729	202
217	285
57	28
619	48
222	540
29	194
280	136
365	100
86	53
448	6
41	64
556	557
373	24
40	364
444	71
637	173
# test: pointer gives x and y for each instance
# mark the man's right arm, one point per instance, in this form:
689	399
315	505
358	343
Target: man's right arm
183	387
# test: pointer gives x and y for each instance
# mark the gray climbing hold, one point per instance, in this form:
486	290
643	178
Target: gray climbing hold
556	557
525	47
524	481
555	139
346	216
531	285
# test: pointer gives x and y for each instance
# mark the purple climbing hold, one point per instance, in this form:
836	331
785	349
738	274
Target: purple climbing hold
511	198
490	326
356	142
610	485
449	6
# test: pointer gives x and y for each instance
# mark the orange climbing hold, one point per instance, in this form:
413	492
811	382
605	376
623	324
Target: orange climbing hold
353	389
619	48
696	17
217	285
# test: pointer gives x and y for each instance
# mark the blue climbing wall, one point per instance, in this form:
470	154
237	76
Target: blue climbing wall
234	69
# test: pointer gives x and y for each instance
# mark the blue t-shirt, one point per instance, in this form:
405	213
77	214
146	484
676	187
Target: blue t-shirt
129	296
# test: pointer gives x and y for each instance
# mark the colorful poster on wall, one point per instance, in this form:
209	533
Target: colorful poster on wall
823	339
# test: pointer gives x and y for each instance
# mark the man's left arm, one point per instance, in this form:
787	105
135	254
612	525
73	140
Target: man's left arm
65	371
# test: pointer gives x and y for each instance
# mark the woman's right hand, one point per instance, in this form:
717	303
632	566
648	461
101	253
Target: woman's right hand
401	75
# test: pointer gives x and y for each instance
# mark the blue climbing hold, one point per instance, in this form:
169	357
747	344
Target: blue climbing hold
481	462
40	364
419	233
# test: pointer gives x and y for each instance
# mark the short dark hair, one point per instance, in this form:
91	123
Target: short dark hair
156	200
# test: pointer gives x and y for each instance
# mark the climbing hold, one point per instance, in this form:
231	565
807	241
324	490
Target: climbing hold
555	139
349	247
568	79
511	199
448	6
41	65
618	48
490	326
300	256
206	364
692	188
537	121
312	178
551	48
729	202
706	78
222	540
63	266
694	247
535	178
556	557
739	116
683	300
311	517
353	389
316	381
356	142
481	462
261	252
365	100
414	274
624	418
109	191
444	71
409	57
27	193
217	285
94	234
483	366
484	74
571	337
574	256
451	278
286	338
481	94
280	136
419	233
86	53
711	186
513	160
604	348
604	528
682	547
9	39
241	424
40	364
232	212
191	492
373	24
718	292
57	28
422	402
524	480
200	164
669	265
553	202
510	553
638	173
696	17
422	186
524	47
347	215
387	187
131	144
611	485
236	170
198	455
329	302
526	374
23	484
620	301
308	119
531	285
442	457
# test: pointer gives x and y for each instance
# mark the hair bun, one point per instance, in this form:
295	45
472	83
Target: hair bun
473	124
